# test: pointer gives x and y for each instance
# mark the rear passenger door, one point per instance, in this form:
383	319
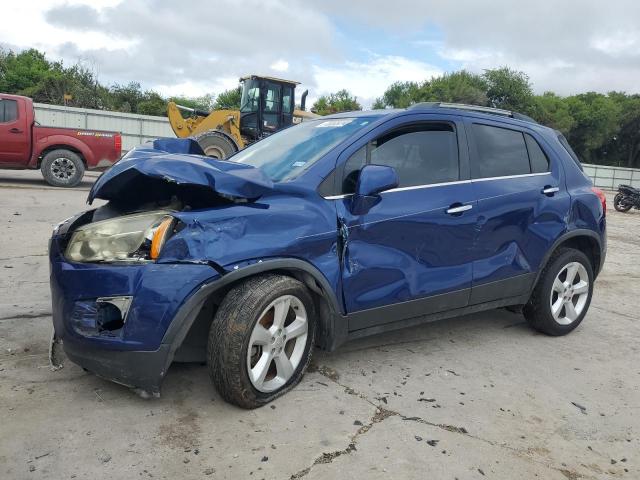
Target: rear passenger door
411	253
522	204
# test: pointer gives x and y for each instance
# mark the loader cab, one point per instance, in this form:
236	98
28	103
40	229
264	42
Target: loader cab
266	106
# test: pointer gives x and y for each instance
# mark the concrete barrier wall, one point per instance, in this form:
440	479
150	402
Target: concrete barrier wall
610	177
135	129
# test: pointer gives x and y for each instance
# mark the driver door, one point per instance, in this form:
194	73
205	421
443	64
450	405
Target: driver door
411	254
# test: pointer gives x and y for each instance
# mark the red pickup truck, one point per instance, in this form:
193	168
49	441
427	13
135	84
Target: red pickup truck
61	154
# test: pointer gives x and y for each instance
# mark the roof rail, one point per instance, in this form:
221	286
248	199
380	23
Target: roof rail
473	108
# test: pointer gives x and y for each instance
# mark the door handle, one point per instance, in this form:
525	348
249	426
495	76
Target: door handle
549	190
454	210
15	130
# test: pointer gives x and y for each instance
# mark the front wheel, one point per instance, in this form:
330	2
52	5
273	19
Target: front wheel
260	340
563	293
620	204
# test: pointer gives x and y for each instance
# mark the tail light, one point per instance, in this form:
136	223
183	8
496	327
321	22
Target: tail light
117	142
603	199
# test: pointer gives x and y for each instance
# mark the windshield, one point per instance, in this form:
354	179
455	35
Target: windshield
250	96
284	155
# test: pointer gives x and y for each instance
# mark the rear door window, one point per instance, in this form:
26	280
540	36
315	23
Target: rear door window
501	152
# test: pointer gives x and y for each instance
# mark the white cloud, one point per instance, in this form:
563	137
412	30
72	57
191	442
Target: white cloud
280	66
568	46
369	80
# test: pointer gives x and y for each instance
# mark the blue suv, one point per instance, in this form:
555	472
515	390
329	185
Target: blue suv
334	229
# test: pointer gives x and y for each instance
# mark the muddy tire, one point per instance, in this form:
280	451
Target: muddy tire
563	294
216	144
260	340
620	205
62	168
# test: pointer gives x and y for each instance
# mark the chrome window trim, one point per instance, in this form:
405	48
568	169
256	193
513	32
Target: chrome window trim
432	185
505	177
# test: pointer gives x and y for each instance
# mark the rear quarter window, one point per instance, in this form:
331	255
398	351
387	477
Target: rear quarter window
567	147
537	157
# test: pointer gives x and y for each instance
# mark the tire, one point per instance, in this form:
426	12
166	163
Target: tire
618	205
236	328
216	144
62	168
539	311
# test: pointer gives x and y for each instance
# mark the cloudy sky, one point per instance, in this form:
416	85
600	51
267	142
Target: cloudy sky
202	46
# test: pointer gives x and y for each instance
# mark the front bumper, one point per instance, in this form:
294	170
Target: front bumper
165	300
140	370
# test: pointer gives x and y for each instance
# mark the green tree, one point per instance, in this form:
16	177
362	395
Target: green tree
553	111
624	148
229	99
22	73
340	101
509	89
597	120
399	95
457	87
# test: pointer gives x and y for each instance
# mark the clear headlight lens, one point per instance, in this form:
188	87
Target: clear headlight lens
124	239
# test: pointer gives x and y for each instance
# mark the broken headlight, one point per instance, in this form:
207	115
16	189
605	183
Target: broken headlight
132	238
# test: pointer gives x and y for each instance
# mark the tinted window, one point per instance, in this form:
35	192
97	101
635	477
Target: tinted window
500	152
352	170
567	147
271	107
421	155
538	159
8	111
286	99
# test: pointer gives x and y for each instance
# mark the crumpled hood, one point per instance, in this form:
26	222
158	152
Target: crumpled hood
169	164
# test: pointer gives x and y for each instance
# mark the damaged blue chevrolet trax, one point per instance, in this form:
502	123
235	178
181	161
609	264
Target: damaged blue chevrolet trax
337	228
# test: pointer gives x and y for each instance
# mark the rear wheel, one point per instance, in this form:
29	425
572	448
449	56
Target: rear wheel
260	340
62	168
563	293
216	144
620	204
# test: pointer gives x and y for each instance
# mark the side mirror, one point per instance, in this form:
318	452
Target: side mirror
373	179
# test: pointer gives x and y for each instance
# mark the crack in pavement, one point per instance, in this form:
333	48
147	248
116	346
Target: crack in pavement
328	457
24	256
332	375
27	315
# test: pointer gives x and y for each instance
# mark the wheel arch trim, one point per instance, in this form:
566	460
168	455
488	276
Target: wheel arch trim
186	315
564	238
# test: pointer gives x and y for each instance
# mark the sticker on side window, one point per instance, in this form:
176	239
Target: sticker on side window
335	123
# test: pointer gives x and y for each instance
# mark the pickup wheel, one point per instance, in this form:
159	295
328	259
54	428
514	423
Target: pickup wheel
562	296
261	339
62	168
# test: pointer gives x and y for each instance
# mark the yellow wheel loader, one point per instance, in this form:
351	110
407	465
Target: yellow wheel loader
267	105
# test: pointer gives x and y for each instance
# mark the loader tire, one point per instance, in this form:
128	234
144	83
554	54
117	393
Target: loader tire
216	144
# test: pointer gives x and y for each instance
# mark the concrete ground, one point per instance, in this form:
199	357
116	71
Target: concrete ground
480	396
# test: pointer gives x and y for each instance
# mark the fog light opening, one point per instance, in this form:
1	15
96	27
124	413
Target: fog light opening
108	318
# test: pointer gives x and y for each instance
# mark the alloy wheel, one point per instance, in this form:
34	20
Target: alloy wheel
63	168
569	293
277	343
